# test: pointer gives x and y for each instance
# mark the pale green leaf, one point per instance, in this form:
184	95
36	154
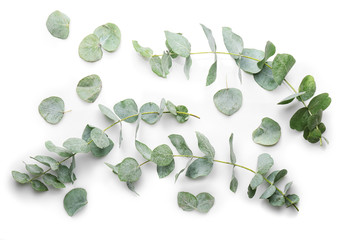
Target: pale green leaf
171	107
210	37
75	200
277	199
162	155
265	78
34	169
52	109
234	184
20	177
109	35
291	199
178	44
125	109
287	187
144	51
233	42
129	170
187	66
204	145
290	98
58	24
205	202
180	144
38	186
166	63
99	138
108	113
180	117
62	152
264	163
249	60
89	88
268	133
144	150
48	161
76	145
256	181
187	201
211	77
270	50
277	175
164	171
232	154
201	167
268	192
151	108
156	66
90	48
51	180
228	101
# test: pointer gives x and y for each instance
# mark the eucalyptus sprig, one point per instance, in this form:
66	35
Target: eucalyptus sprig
129	170
268	74
93	140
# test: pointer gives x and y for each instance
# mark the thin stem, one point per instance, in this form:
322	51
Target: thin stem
144	163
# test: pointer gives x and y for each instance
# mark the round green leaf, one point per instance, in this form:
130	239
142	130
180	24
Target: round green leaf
264	163
308	86
101	152
205	202
291	199
228	101
125	109
129	170
58	24
20	177
186	201
99	138
265	78
90	48
268	133
75	200
76	145
62	152
277	199
89	88
180	117
247	62
299	120
162	155
150	107
52	109
164	171
109	35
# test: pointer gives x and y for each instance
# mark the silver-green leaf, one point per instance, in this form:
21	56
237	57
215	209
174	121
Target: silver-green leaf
178	44
233	42
201	167
127	108
99	138
89	88
162	155
268	133
228	101
144	51
144	150
108	113
20	177
48	161
265	162
129	170
62	152
58	24
187	201
90	48
75	200
180	144
109	35
205	202
52	109
51	180
76	145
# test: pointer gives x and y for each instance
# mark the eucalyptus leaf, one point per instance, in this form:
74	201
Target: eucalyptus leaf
164	171
99	138
290	98
265	78
51	180
205	146
268	192
108	113
187	66
171	107
126	108
52	109
270	50
58	24
75	200
256	181
234	184
233	42
34	169
201	167
76	145
64	174
314	120
287	187
89	88
180	117
232	154
38	186
277	175
205	202
129	170
268	133
312	136
251	192
144	51
162	107
90	48
156	66
48	161
211	77
162	155
131	187
187	201
178	43
319	102
291	199
228	101
265	162
166	63
249	60
308	86
62	152
299	120
180	144
281	66
109	35
144	150
150	107
209	37
20	177
277	199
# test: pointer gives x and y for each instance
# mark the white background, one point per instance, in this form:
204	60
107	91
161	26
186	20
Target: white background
321	35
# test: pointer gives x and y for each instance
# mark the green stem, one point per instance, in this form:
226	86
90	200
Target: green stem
246	168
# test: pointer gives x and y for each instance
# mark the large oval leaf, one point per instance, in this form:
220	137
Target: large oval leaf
228	101
52	109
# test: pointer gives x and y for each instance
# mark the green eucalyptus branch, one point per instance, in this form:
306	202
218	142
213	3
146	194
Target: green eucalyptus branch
268	74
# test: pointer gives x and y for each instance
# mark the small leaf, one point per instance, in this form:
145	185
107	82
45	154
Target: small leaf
277	175
232	154
108	113
209	37
90	48
178	43
287	187
299	120
95	150
312	136
233	184
268	133
75	200
228	101
291	199
131	187
308	86
48	161
71	168
34	169
99	138
164	171
187	201
50	179
129	170
187	66
205	202
125	109
20	177
251	192
320	102
180	117
144	51
150	107
179	143
281	66
156	66
62	152
256	181
38	186
166	63
265	78
64	174
314	120
204	145
52	109
182	170
162	107
211	77
144	150
76	145
109	35
268	192
290	98
265	162
201	167
162	155
270	50
58	24
233	42
247	62
86	133
89	88
171	107
277	199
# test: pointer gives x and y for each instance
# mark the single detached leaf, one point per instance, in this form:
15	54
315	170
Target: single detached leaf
205	202
20	177
144	51
51	180
62	152
256	181
187	66
129	170
319	102
75	200
180	116
299	120
290	98
201	167
148	108
38	186
76	145
109	35
144	150
204	145
52	109
90	48
268	192
228	101
34	169
89	88
126	108
99	138
108	113
268	133
308	86
249	60
48	161
277	199
234	184
291	199
164	171
265	162
171	107
156	66
270	50
187	201
209	37
178	43
58	24
162	155
233	42
211	77
265	78
179	143
281	66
